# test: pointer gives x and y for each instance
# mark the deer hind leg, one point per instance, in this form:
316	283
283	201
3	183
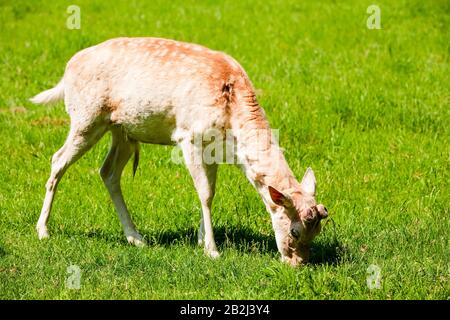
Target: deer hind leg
78	142
111	172
204	177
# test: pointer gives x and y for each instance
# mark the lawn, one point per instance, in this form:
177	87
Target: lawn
367	109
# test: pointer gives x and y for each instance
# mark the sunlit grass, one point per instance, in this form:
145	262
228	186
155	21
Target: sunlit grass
368	110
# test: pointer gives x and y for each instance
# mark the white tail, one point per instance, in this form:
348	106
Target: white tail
50	96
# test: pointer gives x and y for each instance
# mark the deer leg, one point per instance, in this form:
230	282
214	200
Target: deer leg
201	230
111	172
204	177
77	143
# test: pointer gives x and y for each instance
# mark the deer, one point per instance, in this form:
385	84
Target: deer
162	91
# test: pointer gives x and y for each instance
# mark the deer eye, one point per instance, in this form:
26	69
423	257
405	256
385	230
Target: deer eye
295	233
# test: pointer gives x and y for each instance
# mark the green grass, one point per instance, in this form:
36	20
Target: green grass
368	110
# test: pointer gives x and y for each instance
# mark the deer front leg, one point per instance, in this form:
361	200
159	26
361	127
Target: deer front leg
201	231
204	177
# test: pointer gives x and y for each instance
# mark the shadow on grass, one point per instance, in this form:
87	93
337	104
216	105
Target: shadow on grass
326	253
242	239
247	241
2	252
239	238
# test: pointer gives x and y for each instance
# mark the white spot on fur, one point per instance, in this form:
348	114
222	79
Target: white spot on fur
163	52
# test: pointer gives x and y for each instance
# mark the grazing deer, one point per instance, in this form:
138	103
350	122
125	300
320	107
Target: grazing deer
167	92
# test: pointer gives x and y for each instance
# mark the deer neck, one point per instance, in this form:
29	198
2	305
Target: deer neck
259	154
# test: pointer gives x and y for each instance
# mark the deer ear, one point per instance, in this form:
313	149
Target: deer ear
280	198
308	184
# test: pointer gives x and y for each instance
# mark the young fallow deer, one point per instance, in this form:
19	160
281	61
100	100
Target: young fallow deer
168	92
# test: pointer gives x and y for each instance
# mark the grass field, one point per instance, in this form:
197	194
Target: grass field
368	110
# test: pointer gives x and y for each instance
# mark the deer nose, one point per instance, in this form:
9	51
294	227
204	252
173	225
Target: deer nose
323	212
